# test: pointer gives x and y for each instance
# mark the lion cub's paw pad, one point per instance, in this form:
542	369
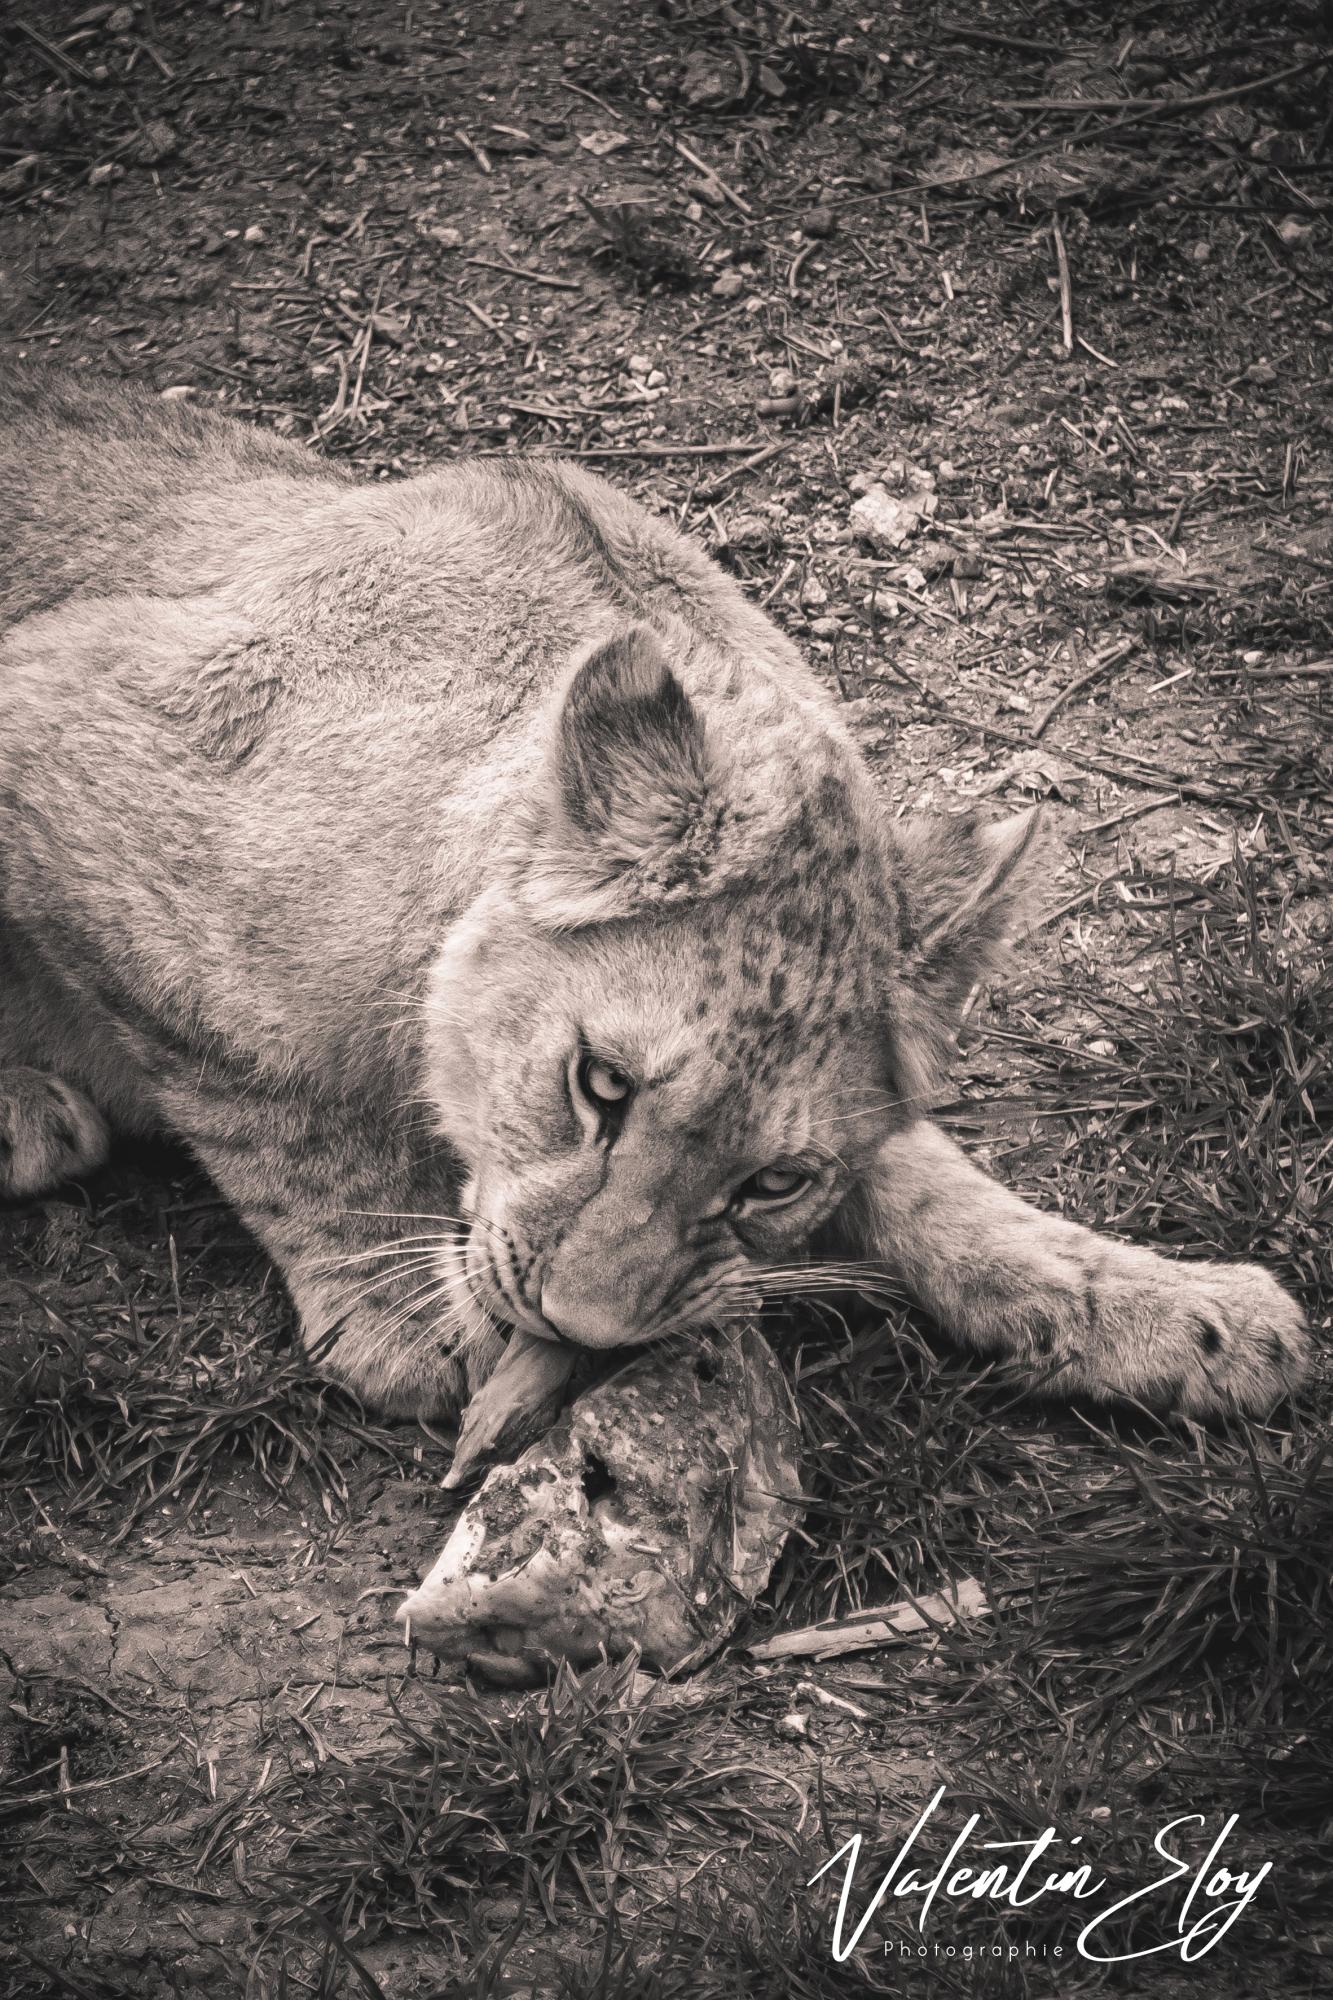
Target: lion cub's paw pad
49	1132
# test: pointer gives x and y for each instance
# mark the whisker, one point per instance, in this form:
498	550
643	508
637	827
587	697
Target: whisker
381	1279
398	1246
411	1215
421	1301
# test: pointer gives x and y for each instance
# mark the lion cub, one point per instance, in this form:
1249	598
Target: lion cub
491	898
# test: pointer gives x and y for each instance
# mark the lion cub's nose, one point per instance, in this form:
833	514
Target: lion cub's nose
588	1321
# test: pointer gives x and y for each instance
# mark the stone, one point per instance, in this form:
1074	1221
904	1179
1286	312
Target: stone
886	520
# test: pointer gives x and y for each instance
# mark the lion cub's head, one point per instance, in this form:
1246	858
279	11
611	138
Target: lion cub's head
711	979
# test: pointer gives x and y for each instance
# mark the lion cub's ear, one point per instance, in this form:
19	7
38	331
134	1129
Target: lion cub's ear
632	763
964	891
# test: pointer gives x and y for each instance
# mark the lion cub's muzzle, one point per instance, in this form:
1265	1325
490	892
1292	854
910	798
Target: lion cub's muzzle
587	1319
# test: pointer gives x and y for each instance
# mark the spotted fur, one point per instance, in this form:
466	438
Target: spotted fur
342	826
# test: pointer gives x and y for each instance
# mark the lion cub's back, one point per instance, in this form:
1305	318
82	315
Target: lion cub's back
93	473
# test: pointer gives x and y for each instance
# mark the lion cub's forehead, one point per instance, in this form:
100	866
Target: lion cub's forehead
755	1011
726	1094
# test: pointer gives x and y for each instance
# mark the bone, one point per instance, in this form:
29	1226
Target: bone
648	1519
517	1400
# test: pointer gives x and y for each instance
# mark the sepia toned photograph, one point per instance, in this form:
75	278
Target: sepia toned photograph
666	1016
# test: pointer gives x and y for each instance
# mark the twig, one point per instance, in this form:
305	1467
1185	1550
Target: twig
1139	811
990	40
155	58
1066	287
63	65
533	277
715	486
479	313
918	188
639	451
61	1974
549	411
1112	657
1072	903
1095	352
88	1785
710	174
327	419
84	1687
366	339
774	588
479	153
1157	106
794	274
877	1628
831	1700
591	96
1152	776
1092	136
1311	670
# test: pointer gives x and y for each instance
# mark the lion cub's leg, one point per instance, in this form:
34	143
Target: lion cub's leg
49	1132
1106	1318
357	1217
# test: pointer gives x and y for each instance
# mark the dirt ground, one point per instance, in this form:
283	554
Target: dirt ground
991	348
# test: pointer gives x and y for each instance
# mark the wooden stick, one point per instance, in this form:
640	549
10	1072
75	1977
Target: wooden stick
715	486
366	339
19	1805
1139	811
1066	287
533	277
1112	657
637	450
1152	778
709	174
483	318
880	1627
1158	105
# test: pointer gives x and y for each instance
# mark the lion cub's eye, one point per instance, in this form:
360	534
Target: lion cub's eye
603	1083
773	1185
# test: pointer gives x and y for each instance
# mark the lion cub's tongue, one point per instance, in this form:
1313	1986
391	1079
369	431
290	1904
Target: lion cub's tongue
515	1403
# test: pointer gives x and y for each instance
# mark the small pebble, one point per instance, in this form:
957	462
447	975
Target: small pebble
818	222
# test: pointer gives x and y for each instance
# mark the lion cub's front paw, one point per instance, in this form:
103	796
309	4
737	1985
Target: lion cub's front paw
1202	1338
49	1132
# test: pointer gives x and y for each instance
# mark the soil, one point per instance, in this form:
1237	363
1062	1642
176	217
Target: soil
810	284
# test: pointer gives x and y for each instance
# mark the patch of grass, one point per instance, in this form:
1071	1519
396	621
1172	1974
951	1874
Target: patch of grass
1203	1117
128	1409
565	1793
1196	1576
